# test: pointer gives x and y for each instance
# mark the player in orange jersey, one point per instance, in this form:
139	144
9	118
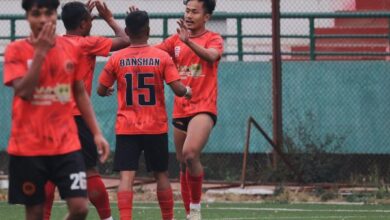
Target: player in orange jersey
46	74
196	52
77	20
141	125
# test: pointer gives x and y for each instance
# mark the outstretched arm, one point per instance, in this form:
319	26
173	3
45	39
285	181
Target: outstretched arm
121	39
208	54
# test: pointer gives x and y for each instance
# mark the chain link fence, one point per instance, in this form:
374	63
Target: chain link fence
334	89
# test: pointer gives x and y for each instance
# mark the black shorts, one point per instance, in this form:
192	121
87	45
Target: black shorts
88	146
28	176
129	147
182	123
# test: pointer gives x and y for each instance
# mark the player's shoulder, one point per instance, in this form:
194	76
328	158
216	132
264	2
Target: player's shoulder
67	42
157	52
212	34
20	43
173	37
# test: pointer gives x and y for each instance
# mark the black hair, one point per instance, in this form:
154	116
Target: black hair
137	22
73	13
208	5
50	4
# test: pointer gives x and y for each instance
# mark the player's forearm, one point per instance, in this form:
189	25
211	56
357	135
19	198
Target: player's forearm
25	87
209	55
120	34
179	88
118	30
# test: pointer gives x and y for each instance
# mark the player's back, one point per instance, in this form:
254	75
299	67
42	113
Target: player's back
140	73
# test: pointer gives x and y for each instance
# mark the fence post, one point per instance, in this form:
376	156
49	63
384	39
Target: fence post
276	81
312	39
239	39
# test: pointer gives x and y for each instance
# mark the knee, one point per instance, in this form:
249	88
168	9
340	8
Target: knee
189	158
78	212
183	167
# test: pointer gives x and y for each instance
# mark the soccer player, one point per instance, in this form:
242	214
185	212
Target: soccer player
196	52
46	74
141	125
77	20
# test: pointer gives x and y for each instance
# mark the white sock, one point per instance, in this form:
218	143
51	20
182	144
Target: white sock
195	206
110	218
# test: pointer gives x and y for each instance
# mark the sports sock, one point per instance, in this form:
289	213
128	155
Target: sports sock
185	191
49	198
165	200
125	204
98	196
195	185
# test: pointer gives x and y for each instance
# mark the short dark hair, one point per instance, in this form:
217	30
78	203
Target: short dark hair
208	5
137	22
73	13
50	4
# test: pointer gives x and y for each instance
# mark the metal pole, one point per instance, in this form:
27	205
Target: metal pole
276	81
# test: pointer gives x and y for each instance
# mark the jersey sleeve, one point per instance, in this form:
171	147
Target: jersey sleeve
96	45
216	42
14	65
167	45
170	71
108	75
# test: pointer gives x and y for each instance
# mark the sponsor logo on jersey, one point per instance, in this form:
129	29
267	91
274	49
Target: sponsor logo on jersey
195	71
47	95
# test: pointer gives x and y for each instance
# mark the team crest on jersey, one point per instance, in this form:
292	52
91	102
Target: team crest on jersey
29	188
177	51
69	66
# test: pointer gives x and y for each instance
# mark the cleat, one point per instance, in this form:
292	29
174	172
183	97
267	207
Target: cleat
194	214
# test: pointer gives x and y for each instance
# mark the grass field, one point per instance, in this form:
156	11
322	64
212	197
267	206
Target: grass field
232	211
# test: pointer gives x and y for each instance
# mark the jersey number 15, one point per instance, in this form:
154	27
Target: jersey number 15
142	98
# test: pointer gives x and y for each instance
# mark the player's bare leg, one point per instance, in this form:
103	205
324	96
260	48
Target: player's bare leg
198	132
77	208
179	138
125	194
164	195
34	212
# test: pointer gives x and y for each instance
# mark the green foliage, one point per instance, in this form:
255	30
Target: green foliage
312	156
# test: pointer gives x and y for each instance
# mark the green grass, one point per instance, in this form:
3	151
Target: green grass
232	211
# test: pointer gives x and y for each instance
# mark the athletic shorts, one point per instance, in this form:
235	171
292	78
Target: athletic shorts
182	123
88	146
28	176
129	147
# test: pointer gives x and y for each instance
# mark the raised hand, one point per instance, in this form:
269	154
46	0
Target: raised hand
183	31
90	5
132	8
46	38
104	11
